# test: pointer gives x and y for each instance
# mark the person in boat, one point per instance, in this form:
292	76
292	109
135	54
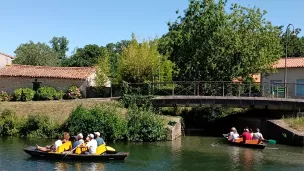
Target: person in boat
251	132
99	140
76	142
53	147
257	135
246	135
233	135
92	144
66	137
80	138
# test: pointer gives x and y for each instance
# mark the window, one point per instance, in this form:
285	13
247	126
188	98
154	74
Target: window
300	87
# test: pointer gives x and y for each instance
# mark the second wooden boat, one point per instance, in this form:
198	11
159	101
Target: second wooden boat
249	143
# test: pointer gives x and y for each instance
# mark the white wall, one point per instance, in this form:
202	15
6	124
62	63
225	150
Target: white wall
293	74
4	60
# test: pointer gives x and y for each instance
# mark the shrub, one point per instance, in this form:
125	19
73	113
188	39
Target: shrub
39	126
144	125
73	93
59	95
8	123
104	119
46	93
25	94
4	97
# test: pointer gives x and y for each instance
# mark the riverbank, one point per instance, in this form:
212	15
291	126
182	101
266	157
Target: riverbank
296	123
58	110
48	118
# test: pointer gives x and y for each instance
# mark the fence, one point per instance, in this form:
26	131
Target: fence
218	88
202	88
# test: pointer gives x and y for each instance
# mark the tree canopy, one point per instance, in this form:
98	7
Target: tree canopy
60	45
140	62
211	43
36	54
86	56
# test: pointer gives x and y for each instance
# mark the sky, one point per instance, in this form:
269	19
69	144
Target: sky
101	22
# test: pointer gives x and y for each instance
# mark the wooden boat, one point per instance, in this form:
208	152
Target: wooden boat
249	143
59	156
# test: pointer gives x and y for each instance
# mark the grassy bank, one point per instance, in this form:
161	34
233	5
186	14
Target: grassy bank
296	123
50	118
58	110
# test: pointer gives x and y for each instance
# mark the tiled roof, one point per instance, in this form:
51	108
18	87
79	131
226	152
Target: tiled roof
7	55
293	62
46	71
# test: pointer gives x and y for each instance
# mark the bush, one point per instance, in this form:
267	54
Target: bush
144	125
25	94
8	123
59	95
73	93
104	119
39	126
4	97
46	93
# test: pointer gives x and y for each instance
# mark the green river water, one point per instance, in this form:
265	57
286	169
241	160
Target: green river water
188	153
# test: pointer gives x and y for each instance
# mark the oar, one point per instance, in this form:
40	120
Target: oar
271	141
71	151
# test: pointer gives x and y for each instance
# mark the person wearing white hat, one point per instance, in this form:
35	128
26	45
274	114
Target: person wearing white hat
92	144
80	138
99	140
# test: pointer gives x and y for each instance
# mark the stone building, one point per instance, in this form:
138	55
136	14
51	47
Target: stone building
15	76
5	59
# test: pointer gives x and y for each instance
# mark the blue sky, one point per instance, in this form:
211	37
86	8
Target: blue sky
101	22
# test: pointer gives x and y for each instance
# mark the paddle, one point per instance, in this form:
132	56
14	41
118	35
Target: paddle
71	151
271	141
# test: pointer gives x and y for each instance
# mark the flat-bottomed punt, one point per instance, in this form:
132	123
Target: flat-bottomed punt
59	156
249	143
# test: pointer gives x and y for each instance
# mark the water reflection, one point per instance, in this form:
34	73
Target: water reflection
187	153
61	166
245	158
234	155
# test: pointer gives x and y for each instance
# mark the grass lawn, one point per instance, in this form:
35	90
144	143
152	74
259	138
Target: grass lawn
57	110
295	123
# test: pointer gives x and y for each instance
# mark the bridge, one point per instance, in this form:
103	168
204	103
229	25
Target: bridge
222	93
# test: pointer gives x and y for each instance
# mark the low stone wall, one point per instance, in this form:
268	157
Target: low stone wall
283	134
175	131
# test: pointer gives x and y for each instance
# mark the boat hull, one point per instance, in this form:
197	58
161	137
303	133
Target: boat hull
36	153
247	145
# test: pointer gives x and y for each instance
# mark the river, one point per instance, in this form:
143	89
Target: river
188	153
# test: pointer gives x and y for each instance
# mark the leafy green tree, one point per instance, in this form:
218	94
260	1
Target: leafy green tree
211	43
36	54
295	43
114	50
60	45
140	62
86	56
103	70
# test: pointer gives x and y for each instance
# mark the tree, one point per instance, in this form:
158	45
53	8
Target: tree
60	45
210	43
86	56
114	50
140	62
39	54
103	70
295	43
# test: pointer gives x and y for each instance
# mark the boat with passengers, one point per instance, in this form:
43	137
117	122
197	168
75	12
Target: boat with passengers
258	144
65	151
